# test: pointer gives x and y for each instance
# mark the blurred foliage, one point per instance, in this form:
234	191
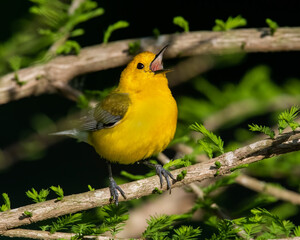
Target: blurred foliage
50	22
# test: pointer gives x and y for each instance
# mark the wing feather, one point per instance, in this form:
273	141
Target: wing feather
107	113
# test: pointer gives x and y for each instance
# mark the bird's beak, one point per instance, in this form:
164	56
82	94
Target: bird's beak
156	65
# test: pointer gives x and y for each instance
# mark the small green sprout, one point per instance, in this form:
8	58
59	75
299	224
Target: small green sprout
38	197
210	142
181	22
15	64
230	23
27	214
239	167
217	164
272	25
69	47
262	129
59	191
181	175
158	191
6	205
112	28
91	188
287	118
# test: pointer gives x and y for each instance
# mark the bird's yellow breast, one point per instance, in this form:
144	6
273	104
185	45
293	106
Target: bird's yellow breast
146	129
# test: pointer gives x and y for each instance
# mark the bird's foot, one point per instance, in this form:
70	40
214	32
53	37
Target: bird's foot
114	191
161	172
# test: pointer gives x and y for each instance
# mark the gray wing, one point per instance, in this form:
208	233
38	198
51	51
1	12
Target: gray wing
107	113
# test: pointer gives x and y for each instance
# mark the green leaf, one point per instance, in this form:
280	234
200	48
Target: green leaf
15	64
206	146
91	188
59	191
82	102
83	229
132	176
6	205
217	164
159	226
38	197
297	231
181	175
114	217
27	214
68	47
156	32
230	23
112	28
217	141
239	167
262	129
177	163
77	32
181	22
134	47
287	118
65	222
272	25
186	233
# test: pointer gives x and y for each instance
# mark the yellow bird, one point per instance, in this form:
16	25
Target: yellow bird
135	121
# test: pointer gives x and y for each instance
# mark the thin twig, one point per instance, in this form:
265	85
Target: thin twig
39	79
260	186
254	152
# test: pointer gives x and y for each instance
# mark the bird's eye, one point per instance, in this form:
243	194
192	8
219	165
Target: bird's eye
140	66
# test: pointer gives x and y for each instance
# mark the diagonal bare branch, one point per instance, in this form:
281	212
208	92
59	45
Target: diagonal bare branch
257	151
43	78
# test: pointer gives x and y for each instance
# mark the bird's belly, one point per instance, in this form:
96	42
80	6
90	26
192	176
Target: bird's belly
138	136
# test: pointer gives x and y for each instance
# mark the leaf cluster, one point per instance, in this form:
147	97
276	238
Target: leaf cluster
230	23
210	143
285	119
108	218
161	227
6	205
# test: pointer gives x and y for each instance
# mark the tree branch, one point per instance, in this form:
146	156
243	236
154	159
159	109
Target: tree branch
42	78
257	151
260	186
36	234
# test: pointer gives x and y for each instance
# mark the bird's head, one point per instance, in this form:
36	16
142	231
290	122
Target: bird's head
145	71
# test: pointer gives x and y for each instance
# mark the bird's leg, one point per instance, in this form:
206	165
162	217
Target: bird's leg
161	172
113	187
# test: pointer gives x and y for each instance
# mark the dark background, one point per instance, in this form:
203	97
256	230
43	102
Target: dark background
75	165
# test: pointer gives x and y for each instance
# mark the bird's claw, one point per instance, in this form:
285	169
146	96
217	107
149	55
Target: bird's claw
161	172
114	189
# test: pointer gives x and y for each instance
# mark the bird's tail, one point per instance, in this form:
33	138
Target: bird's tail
73	133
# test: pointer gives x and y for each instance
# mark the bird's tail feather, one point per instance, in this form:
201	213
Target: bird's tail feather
73	133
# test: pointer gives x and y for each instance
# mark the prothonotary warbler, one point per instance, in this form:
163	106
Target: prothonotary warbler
135	121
